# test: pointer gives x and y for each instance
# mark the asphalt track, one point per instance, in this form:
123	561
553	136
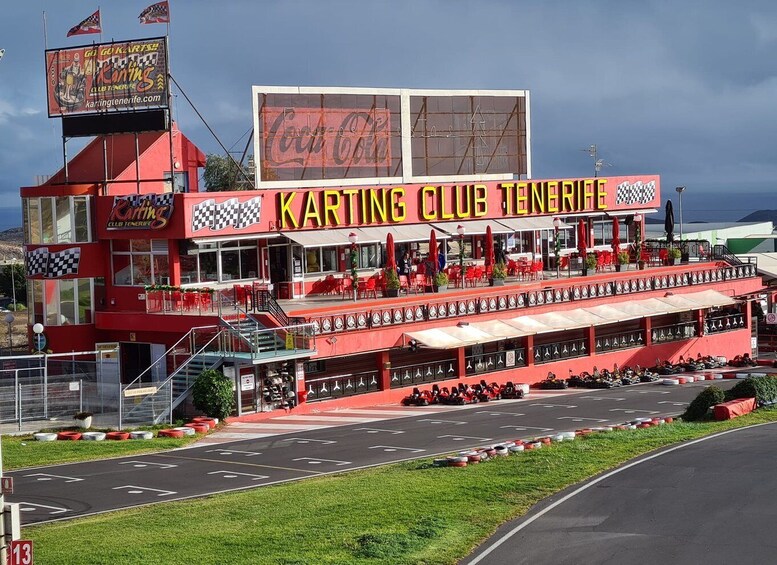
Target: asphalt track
711	501
80	489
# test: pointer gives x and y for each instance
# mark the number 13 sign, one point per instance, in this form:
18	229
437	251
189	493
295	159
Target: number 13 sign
21	552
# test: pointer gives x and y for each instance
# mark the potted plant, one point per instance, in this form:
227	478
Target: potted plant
590	264
622	259
440	281
498	274
84	419
392	283
674	255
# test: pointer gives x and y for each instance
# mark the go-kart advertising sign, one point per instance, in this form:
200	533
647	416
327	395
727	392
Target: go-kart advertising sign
107	77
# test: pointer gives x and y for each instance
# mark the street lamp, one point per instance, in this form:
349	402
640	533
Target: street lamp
9	320
557	244
680	190
353	238
461	230
37	329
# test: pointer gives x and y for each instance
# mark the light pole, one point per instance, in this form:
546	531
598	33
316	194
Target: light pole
9	318
557	244
680	190
40	342
461	230
353	238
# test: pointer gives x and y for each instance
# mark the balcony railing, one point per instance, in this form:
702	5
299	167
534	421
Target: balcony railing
493	362
727	323
408	375
550	352
674	332
619	340
342	385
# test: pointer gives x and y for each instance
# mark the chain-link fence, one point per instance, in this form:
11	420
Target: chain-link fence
46	391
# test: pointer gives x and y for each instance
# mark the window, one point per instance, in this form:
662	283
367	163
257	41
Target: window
64	219
61	302
138	262
368	256
214	262
181	182
321	259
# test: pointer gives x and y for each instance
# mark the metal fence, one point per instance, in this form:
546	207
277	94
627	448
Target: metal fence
46	391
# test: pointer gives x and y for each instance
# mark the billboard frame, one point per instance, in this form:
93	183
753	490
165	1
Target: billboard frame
404	95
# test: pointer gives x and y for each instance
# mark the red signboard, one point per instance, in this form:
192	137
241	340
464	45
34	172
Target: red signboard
141	211
20	552
326	137
6	485
93	79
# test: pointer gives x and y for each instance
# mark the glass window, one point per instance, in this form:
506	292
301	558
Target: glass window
33	234
64	231
81	219
329	258
368	256
248	263
209	271
230	265
313	260
139	262
47	219
67	302
188	269
51	298
84	301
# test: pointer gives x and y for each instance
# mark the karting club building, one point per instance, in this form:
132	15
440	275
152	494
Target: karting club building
283	285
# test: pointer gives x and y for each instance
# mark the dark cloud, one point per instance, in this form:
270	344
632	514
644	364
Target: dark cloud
682	89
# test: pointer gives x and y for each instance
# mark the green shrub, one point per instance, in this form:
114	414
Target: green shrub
763	389
707	398
212	393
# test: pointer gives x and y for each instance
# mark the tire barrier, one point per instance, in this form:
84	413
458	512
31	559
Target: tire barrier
93	436
211	422
117	436
176	433
69	436
42	436
199	427
670	382
141	435
187	431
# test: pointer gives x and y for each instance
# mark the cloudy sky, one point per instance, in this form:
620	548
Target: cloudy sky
683	89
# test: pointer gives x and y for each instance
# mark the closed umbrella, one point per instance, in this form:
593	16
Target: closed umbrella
582	239
489	260
433	254
669	222
616	237
391	260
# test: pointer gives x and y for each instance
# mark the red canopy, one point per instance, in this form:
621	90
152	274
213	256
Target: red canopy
489	259
582	238
616	236
391	260
433	258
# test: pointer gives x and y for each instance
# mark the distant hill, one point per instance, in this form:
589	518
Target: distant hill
761	216
11	242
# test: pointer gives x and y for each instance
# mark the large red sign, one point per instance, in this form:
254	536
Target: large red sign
326	137
93	79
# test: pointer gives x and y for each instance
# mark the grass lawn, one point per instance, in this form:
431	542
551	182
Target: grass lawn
20	452
404	513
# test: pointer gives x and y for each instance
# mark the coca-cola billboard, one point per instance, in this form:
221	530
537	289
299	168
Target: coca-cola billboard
326	137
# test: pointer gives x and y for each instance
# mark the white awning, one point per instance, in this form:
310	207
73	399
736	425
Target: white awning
327	237
531	223
473	227
471	333
403	232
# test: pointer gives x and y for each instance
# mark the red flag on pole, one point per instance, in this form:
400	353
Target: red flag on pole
89	25
158	13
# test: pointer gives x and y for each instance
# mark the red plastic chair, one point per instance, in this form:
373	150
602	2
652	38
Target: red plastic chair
346	287
367	287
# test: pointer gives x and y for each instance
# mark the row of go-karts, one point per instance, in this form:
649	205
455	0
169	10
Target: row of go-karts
461	394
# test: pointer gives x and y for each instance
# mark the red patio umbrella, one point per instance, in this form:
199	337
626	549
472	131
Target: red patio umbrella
616	237
433	258
582	239
391	260
489	260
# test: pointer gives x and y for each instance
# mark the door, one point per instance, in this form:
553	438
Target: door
135	359
297	275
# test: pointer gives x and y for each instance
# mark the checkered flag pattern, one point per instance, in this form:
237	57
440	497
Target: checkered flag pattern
133	199
164	199
203	215
226	214
38	261
250	212
635	193
63	263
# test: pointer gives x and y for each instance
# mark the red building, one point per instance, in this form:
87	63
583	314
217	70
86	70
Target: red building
125	247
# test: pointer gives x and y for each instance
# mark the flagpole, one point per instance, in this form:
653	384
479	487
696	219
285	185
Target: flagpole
45	33
100	14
